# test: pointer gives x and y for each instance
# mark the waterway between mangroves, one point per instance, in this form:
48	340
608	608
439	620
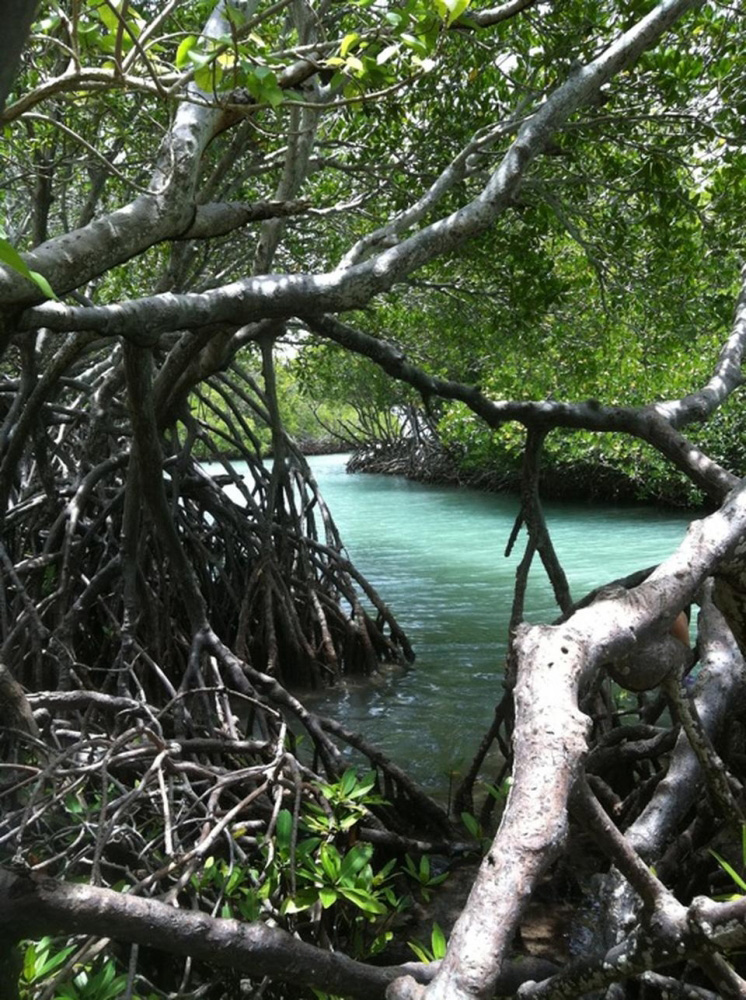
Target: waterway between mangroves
436	556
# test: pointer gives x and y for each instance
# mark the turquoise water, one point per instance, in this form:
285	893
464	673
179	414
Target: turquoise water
436	555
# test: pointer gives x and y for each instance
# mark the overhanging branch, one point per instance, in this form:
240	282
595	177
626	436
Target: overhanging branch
649	423
282	296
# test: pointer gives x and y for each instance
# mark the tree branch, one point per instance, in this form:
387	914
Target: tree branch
644	422
284	295
549	742
35	907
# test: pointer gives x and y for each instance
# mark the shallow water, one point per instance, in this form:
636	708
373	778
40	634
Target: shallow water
436	556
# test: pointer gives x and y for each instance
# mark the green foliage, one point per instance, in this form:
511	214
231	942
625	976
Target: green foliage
614	277
436	949
330	873
330	876
326	879
10	256
41	958
476	830
609	277
421	873
91	981
347	801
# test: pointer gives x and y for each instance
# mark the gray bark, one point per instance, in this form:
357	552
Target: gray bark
283	296
32	907
549	745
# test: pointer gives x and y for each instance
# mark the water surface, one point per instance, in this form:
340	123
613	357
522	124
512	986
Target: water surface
436	556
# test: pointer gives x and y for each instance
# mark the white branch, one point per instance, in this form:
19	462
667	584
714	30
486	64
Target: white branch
549	744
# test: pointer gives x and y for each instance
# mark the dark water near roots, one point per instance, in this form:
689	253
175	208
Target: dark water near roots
435	554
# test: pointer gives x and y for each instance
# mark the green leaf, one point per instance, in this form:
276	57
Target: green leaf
303	900
273	94
363	900
349	821
72	802
347	782
306	847
208	78
455	9
249	907
364	786
417	45
419	952
107	17
386	870
10	256
348	42
182	53
729	869
284	830
36	952
236	877
43	284
263	86
199	59
235	16
330	861
442	9
355	860
438	941
327	896
380	942
471	824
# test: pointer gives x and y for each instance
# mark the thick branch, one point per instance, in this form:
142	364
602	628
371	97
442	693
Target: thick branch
220	218
549	743
33	908
70	260
494	15
285	295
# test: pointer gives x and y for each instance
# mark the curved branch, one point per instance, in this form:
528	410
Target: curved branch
284	295
495	15
549	741
645	422
726	378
